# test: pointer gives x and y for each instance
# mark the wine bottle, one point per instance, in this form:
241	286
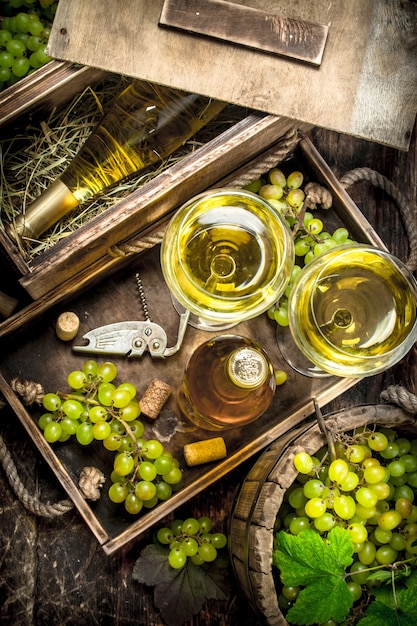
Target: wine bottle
145	123
229	381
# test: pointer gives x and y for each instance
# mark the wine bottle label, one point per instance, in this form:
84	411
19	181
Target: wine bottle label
247	368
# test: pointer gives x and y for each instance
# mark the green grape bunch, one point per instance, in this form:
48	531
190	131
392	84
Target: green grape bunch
191	539
97	408
296	204
368	487
24	33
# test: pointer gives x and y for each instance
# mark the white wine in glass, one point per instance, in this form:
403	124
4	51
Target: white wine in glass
226	257
352	311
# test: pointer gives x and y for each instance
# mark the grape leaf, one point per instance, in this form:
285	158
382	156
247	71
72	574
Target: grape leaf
318	565
180	594
384	612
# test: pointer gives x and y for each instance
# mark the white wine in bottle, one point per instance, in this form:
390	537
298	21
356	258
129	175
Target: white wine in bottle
145	123
229	381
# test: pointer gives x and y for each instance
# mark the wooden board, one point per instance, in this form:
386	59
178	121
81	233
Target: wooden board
249	27
366	85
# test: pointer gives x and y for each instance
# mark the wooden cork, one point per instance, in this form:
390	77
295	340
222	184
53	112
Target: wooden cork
205	451
67	325
154	398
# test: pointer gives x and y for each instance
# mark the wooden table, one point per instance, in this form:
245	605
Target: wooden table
53	571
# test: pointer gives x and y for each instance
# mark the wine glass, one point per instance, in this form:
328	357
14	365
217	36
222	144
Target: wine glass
352	313
226	257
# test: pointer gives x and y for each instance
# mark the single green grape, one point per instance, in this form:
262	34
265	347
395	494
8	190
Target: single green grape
120	398
190	526
174	476
378	441
84	434
112	442
107	371
277	177
295	180
298	524
303	462
268	192
145	490
338	470
177	558
154	449
123	464
281	316
219	540
367	553
147	470
207	552
324	522
389	520
165	535
44	419
77	379
358	533
52	432
131	411
72	408
344	506
163	464
101	430
133	504
118	492
205	524
280	377
51	402
315	507
163	490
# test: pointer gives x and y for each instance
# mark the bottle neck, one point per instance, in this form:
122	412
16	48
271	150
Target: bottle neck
247	368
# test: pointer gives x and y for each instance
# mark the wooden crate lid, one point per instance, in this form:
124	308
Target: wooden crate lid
366	85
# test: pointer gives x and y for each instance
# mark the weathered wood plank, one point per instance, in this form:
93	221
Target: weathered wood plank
366	85
249	27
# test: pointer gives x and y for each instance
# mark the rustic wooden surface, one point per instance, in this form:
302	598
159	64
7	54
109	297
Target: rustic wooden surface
54	572
365	85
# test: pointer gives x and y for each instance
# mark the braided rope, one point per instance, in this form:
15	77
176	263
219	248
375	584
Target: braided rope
408	216
30	502
396	394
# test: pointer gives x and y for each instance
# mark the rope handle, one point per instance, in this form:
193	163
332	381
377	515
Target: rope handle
396	394
407	215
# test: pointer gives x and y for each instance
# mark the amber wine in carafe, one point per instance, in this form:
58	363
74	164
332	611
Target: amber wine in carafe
144	124
229	381
353	311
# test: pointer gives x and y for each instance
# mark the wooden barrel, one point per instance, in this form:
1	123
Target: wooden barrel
261	494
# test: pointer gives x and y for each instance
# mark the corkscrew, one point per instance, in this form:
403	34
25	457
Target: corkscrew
133	338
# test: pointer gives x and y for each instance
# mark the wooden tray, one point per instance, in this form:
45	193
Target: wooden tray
38	354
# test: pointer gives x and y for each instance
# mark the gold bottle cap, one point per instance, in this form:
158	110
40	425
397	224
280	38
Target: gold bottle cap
247	367
55	202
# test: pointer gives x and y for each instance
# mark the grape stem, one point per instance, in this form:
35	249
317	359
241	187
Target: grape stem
87	400
326	432
391	566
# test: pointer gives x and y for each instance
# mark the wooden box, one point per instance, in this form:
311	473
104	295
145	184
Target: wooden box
83	255
112	296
